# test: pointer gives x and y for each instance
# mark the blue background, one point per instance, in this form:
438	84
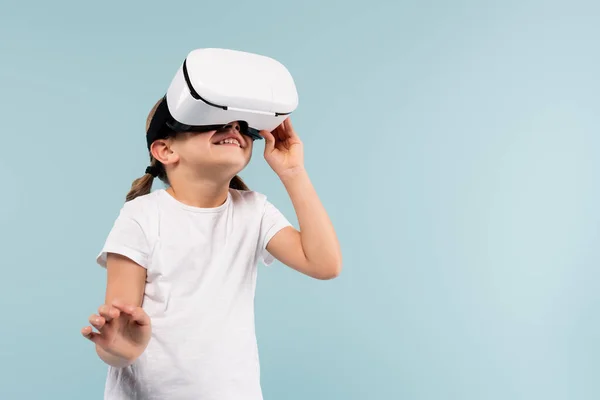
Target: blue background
455	144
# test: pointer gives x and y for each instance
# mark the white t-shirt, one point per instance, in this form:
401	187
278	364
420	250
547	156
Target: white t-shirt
201	277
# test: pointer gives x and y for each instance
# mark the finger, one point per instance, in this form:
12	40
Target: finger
92	336
290	129
290	136
280	133
140	316
269	141
108	312
279	138
137	314
287	134
97	321
87	331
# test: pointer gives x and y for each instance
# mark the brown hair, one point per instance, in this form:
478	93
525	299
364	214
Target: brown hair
143	185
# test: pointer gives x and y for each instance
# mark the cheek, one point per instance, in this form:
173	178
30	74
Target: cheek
199	143
201	139
248	154
194	147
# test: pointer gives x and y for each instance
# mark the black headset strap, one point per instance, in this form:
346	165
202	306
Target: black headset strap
158	125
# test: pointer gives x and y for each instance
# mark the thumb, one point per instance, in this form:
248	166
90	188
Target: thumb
94	337
137	314
269	141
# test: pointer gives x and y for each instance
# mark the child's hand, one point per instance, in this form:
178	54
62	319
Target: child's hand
123	331
283	149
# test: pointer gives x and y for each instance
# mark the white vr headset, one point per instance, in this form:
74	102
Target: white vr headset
215	87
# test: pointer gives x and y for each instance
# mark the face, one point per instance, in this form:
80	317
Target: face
225	151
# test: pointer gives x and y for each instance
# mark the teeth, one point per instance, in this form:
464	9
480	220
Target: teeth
230	141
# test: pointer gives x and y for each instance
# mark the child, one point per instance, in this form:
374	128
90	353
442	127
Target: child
178	317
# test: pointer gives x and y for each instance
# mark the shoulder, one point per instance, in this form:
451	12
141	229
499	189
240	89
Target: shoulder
250	202
133	230
258	204
142	208
248	197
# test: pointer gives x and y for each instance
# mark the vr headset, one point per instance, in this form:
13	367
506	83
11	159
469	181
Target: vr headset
215	87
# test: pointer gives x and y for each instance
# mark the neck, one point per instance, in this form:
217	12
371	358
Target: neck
202	193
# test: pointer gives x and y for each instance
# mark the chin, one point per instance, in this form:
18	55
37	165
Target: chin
230	166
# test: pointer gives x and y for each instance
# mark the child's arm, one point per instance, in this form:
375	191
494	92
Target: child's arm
123	326
314	250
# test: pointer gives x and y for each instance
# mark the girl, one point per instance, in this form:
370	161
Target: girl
178	317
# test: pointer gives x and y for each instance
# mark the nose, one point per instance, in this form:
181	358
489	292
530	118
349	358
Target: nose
233	125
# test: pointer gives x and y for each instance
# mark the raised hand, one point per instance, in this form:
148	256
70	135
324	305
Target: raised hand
283	149
123	332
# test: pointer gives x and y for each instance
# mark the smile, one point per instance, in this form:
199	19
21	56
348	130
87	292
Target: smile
230	141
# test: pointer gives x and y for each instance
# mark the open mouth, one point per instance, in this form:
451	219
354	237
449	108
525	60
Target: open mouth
229	142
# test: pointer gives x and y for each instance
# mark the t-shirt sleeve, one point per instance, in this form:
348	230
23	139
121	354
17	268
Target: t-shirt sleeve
272	222
127	237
